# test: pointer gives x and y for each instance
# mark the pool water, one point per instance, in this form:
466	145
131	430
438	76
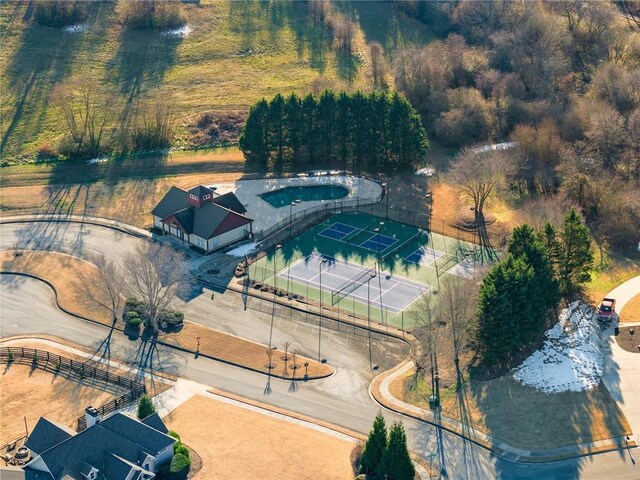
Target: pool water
306	193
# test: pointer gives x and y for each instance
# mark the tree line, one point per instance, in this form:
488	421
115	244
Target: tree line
523	291
375	131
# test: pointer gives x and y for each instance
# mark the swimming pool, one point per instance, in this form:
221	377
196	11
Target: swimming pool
305	193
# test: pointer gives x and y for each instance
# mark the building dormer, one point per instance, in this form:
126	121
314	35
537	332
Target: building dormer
200	195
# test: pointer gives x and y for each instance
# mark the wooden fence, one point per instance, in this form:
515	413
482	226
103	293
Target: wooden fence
58	364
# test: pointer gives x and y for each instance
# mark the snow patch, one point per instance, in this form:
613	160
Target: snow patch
74	28
426	172
495	147
183	31
570	359
242	250
98	160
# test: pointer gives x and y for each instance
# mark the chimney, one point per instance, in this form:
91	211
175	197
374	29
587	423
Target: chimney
92	416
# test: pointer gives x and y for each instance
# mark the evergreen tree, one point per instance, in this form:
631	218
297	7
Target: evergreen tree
343	127
549	238
293	125
145	407
544	293
504	305
309	123
375	447
326	116
276	127
576	253
396	463
254	141
360	129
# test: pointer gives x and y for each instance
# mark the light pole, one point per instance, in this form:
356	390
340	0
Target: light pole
377	230
275	267
373	275
385	185
324	260
291	205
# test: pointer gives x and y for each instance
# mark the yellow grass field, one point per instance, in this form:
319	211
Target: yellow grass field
236	443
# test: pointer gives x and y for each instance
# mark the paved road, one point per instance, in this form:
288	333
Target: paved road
26	306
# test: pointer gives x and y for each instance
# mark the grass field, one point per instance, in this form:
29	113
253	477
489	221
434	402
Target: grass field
236	53
407	240
49	395
512	412
248	444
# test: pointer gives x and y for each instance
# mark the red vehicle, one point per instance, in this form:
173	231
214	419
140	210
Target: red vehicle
606	309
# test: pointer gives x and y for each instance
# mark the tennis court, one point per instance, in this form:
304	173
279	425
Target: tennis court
341	232
339	279
424	256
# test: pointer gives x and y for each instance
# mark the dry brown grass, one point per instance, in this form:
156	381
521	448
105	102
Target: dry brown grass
606	279
631	311
129	201
34	393
62	271
248	444
512	412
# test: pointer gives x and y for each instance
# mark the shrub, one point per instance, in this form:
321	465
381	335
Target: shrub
134	321
174	435
145	407
153	14
59	13
46	151
179	466
171	317
35	358
10	356
180	447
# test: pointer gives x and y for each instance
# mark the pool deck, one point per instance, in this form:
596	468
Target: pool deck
265	215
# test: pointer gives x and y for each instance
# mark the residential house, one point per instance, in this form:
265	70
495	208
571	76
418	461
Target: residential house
199	217
118	447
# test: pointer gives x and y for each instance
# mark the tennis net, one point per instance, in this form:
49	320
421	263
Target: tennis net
399	247
352	284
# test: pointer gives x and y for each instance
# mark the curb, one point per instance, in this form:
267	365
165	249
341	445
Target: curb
160	342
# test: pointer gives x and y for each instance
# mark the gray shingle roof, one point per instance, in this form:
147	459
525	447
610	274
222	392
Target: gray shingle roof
200	191
154	421
150	439
46	434
230	201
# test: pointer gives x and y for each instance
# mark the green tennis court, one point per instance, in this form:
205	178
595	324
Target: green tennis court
378	267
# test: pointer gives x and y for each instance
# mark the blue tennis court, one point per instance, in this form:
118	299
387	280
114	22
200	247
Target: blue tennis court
378	242
337	231
424	256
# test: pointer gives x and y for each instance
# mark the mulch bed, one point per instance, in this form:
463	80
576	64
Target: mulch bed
629	339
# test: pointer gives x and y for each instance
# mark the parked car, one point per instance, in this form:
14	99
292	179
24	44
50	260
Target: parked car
606	309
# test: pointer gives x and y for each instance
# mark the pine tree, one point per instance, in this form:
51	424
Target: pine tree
576	253
549	238
145	407
254	141
504	306
293	125
375	447
396	463
544	293
326	115
276	126
309	124
343	127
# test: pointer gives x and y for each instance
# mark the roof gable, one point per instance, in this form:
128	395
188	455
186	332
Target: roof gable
174	201
230	201
132	429
46	434
154	421
200	191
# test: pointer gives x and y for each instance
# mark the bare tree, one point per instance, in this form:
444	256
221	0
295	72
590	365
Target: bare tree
104	286
87	112
155	276
379	68
457	304
478	175
429	334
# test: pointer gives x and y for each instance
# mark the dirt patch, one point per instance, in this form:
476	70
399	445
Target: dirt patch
248	444
511	412
629	339
35	393
215	128
631	311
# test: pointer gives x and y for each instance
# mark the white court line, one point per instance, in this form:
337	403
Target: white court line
357	230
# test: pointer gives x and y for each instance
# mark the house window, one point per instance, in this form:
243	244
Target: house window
207	196
193	197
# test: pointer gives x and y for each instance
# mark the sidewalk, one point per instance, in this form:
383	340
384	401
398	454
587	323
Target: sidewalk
622	369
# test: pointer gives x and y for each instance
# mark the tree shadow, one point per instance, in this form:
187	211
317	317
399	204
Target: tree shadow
42	60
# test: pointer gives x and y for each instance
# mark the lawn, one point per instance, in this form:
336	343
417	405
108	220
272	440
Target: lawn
62	271
631	311
49	395
522	416
248	444
236	53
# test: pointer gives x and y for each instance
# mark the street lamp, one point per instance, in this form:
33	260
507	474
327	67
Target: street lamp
324	260
275	267
377	230
291	205
385	185
373	275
